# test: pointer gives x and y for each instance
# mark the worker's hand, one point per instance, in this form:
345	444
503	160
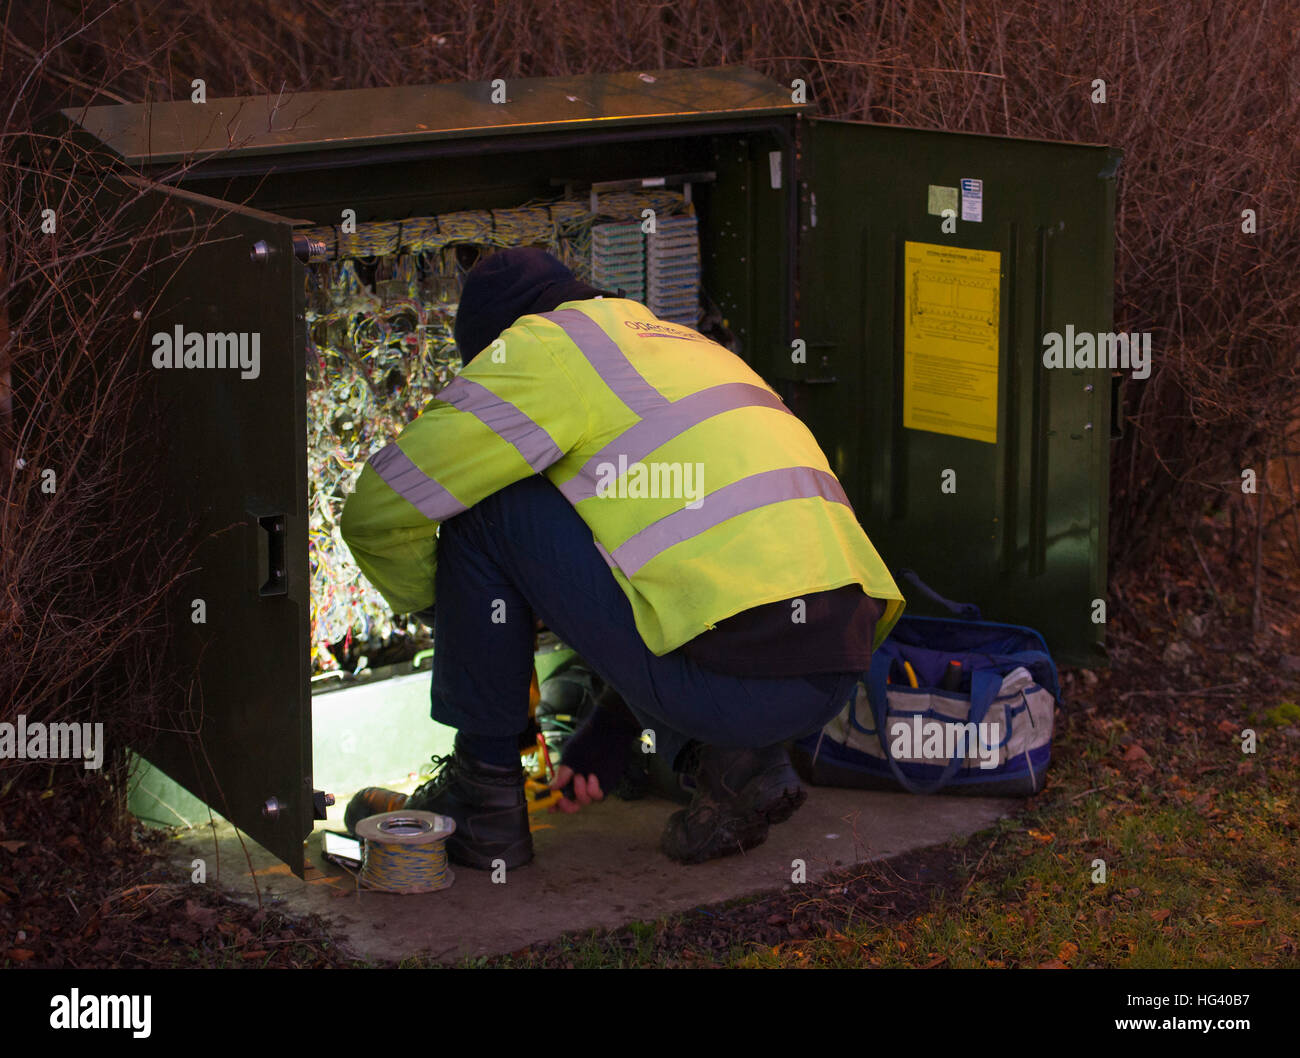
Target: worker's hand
586	790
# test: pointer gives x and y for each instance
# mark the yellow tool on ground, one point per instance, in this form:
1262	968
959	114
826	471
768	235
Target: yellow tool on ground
537	783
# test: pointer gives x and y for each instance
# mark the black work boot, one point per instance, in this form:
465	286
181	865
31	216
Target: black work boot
487	801
738	794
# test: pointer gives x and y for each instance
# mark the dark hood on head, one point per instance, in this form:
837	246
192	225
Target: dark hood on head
507	285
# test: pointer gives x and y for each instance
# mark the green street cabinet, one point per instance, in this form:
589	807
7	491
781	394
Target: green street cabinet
894	285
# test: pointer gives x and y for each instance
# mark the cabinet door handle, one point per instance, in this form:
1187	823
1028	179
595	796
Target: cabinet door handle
276	582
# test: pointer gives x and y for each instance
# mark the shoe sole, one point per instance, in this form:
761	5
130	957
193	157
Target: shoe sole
750	833
783	806
775	804
758	810
490	857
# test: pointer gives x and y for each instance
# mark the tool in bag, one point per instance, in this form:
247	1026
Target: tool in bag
950	704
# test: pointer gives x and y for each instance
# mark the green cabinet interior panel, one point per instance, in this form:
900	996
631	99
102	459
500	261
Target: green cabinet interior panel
803	224
370	734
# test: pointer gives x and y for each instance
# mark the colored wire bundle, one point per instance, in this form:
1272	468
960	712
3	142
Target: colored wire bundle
403	868
373	363
381	305
405	852
548	224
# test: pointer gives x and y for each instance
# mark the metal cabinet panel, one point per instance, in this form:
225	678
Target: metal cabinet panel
234	466
1014	521
309	122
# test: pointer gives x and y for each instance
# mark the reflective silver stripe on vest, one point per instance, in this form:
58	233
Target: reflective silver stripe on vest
610	362
503	419
747	494
674	418
415	486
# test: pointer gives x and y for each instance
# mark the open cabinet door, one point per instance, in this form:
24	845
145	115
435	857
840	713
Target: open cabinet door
233	460
966	458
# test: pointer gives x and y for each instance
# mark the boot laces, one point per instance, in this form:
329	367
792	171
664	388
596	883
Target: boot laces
439	772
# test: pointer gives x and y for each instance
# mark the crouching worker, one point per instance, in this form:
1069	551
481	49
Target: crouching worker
647	496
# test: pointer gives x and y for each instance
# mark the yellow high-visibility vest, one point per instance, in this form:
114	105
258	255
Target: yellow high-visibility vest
704	493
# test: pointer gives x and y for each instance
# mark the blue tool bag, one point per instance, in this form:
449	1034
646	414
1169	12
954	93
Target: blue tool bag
952	705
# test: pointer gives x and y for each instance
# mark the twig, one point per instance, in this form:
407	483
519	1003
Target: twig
966	888
1259	543
1093	790
1295	506
1214	589
882	65
1219	690
148	888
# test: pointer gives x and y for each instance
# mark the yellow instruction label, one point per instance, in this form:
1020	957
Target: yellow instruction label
952	300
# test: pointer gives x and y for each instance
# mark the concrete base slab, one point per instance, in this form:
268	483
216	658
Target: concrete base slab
599	868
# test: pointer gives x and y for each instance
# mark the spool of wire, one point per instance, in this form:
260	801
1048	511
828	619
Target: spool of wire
405	852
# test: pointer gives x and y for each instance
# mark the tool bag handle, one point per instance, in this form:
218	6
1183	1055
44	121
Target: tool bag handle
985	684
960	609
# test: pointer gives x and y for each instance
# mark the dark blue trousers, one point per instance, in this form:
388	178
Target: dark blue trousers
523	553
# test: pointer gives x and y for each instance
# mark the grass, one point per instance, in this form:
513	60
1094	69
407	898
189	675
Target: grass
1181	872
1158	843
1184	887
